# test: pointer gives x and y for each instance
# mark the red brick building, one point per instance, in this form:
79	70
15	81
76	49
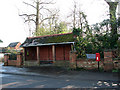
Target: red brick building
14	45
47	49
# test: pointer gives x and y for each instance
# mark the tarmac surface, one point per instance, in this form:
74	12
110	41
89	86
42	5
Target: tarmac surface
51	71
54	74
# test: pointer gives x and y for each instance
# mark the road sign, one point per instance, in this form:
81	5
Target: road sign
91	56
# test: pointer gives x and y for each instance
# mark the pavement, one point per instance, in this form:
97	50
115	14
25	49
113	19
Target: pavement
55	72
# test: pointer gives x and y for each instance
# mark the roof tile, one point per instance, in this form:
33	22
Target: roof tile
56	38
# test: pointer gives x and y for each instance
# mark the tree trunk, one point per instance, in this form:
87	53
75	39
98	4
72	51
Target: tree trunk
113	23
112	10
74	15
37	18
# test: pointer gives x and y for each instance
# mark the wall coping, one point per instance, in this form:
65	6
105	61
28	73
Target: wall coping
7	54
109	50
12	60
81	59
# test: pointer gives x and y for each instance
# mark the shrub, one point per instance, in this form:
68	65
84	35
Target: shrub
13	56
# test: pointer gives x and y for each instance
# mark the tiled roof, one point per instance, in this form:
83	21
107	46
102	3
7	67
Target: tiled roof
55	38
13	44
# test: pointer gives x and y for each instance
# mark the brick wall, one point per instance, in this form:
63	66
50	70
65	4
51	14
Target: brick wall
19	60
89	64
73	59
6	58
8	62
107	63
116	64
12	62
84	63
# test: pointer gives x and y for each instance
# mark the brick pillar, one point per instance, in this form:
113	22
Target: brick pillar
19	59
6	57
108	62
73	59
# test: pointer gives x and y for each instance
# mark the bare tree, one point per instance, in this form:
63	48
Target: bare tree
53	20
79	18
38	18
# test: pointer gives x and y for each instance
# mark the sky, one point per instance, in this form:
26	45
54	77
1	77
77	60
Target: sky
13	29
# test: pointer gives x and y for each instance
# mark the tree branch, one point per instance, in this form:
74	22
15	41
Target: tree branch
29	5
51	2
41	8
47	10
27	15
30	20
46	18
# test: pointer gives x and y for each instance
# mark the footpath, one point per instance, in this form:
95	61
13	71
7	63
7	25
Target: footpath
50	71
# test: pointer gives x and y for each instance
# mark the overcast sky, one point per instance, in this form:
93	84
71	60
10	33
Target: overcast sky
12	28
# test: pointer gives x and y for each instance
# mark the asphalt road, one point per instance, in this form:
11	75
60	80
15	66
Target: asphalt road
19	81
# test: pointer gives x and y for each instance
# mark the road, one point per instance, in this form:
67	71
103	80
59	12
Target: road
22	81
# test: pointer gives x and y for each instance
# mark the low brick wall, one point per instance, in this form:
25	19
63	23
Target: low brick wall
6	58
12	62
89	64
108	63
8	62
116	64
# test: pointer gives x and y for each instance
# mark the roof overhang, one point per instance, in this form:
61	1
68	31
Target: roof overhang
48	44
